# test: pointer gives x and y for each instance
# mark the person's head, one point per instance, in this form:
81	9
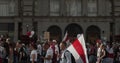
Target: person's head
98	42
54	42
63	45
8	40
33	46
19	44
46	45
49	42
102	46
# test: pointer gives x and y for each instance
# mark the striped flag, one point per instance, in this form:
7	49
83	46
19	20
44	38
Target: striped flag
65	39
78	50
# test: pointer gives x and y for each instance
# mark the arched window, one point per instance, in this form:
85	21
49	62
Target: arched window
73	7
55	32
73	29
92	7
93	33
54	7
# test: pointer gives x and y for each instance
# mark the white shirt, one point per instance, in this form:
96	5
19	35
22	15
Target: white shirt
33	52
39	49
65	57
57	50
98	52
49	52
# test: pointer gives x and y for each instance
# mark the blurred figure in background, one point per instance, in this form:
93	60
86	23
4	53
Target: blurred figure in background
49	53
33	54
110	51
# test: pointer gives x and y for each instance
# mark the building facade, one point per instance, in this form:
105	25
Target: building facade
94	18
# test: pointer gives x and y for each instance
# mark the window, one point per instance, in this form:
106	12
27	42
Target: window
7	28
7	8
73	7
108	8
92	7
54	7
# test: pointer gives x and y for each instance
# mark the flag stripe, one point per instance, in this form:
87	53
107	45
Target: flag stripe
75	54
82	41
65	37
78	47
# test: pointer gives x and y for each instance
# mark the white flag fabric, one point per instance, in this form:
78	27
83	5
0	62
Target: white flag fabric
78	50
65	39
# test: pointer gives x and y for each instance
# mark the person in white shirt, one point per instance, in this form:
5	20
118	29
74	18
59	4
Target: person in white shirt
55	43
39	50
49	53
110	53
98	50
33	54
65	56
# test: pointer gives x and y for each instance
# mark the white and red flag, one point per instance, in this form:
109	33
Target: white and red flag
78	50
65	39
30	34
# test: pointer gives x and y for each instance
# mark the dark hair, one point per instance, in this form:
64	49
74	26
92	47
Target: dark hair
34	45
20	42
46	43
64	43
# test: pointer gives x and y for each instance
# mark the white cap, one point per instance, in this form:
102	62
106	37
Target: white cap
54	41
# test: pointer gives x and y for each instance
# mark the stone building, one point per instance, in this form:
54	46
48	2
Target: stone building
94	18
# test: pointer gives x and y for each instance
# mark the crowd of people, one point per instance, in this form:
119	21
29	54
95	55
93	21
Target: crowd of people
55	52
101	52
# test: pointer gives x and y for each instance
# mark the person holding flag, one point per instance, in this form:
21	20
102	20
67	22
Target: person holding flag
65	56
78	49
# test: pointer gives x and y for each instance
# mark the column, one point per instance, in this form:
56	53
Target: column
15	31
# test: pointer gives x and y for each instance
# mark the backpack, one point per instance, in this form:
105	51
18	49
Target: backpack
72	57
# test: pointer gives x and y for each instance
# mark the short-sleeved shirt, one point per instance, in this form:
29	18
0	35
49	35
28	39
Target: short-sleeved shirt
39	49
98	52
49	52
33	52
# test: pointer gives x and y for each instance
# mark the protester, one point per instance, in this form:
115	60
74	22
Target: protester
65	56
91	53
33	55
39	51
11	53
49	53
110	53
